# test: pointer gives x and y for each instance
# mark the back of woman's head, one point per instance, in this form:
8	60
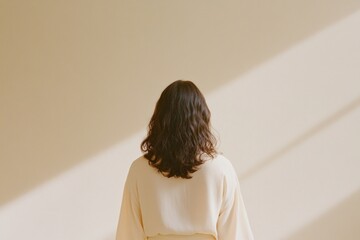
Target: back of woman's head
179	134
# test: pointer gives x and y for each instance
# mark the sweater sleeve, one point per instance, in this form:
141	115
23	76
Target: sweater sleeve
130	221
233	222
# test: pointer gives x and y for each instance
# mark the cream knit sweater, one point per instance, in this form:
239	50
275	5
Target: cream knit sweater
210	204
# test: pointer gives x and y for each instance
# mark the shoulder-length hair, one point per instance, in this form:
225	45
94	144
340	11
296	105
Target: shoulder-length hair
179	133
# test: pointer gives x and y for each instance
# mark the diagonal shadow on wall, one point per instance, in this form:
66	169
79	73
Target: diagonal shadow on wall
334	224
303	137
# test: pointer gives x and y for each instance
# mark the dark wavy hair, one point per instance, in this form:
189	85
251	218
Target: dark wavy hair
179	133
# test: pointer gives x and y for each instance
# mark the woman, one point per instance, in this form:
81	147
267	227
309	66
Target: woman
182	188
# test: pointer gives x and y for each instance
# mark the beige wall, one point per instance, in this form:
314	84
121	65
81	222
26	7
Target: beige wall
78	83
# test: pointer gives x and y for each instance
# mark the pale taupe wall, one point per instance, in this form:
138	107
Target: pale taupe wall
78	78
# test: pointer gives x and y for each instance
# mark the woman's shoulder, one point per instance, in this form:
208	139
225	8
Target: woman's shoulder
221	167
219	163
138	166
139	163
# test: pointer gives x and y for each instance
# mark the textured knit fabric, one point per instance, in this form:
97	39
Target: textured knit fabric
210	204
